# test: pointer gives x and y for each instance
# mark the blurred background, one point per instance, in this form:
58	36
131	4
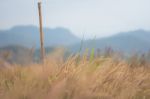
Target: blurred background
76	25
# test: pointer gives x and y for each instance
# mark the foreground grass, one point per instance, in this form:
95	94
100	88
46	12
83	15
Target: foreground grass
99	78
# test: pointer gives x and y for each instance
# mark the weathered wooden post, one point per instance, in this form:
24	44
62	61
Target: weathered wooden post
41	33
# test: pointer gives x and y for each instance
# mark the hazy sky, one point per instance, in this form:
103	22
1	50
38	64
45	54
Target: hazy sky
91	17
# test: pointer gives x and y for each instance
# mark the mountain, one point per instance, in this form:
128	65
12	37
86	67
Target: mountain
132	41
29	36
14	43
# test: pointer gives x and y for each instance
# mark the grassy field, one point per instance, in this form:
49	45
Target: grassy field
77	78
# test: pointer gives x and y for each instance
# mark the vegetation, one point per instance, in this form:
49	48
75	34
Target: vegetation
78	77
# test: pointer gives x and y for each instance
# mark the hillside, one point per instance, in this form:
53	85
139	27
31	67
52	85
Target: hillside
25	37
127	41
28	36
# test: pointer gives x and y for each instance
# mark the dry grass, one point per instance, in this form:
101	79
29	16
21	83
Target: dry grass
76	78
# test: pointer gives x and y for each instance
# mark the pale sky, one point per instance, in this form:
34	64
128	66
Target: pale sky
92	17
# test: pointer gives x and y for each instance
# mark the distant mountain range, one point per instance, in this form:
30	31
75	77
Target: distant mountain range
21	44
132	41
28	36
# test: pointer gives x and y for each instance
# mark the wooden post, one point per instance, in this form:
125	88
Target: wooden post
41	33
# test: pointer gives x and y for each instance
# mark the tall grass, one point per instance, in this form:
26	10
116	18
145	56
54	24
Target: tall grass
74	78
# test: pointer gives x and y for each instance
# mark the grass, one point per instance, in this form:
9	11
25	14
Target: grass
77	78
